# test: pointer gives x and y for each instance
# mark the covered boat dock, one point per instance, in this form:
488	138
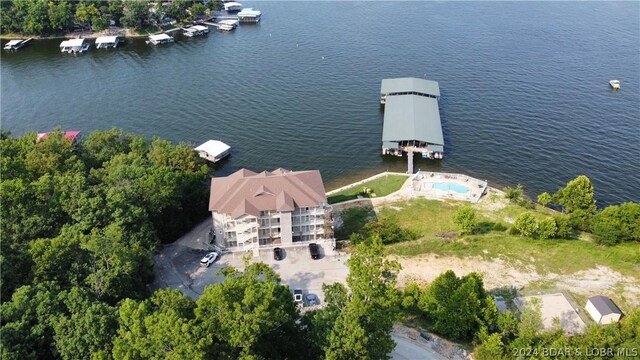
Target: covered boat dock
106	42
213	150
411	118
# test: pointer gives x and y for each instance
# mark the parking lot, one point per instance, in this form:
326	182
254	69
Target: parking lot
177	265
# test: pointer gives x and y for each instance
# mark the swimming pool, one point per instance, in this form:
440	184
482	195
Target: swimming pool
448	187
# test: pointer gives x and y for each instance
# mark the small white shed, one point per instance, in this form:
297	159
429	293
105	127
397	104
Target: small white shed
603	310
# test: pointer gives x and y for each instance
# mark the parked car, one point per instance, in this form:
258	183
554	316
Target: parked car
315	251
209	259
311	299
278	254
297	297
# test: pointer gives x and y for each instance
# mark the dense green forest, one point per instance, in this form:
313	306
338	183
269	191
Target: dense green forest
45	17
89	214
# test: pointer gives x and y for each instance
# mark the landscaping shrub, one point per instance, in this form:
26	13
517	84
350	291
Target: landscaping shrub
387	230
526	224
563	226
547	228
465	219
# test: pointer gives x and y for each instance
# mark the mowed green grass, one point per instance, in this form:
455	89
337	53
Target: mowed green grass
433	221
381	186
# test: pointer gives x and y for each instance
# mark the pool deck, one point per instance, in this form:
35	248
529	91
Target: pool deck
419	185
427	184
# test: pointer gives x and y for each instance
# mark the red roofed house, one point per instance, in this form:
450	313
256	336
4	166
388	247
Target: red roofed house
279	207
70	135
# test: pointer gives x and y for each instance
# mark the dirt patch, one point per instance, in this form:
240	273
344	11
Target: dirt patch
494	200
498	273
447	236
199	271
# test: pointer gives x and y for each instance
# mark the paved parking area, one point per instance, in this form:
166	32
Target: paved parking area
177	265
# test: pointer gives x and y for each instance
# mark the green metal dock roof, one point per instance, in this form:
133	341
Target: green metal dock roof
401	85
412	117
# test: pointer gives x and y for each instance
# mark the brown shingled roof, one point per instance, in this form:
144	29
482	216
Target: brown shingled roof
247	193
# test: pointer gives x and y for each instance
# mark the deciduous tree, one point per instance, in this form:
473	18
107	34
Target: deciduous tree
617	223
254	311
458	307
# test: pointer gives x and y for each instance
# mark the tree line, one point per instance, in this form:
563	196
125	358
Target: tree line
249	315
44	17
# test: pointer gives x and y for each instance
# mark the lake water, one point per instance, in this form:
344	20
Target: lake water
525	94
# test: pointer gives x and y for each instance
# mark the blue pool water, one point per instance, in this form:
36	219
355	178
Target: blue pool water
451	187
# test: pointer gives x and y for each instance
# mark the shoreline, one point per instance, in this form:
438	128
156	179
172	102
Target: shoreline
123	33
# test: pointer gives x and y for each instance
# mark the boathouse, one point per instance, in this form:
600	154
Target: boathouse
160	39
196	30
105	42
411	118
74	46
232	6
16	44
249	15
213	150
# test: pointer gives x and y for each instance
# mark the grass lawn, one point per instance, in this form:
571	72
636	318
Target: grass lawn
381	186
147	30
432	220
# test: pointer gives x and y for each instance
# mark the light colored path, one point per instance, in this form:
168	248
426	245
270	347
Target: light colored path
412	350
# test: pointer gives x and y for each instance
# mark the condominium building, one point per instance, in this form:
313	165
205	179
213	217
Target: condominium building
269	208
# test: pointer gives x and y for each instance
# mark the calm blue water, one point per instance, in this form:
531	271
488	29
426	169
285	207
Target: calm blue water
525	94
451	187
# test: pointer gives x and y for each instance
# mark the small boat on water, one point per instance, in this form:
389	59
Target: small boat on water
614	84
74	46
16	44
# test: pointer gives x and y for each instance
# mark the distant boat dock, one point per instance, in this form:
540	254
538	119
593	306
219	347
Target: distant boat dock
411	118
16	44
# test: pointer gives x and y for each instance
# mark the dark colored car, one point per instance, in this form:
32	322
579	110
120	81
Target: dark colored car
278	254
314	251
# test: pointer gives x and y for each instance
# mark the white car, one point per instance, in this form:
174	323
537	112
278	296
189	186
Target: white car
209	259
297	297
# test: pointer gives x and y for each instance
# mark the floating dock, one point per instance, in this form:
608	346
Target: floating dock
411	118
213	150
